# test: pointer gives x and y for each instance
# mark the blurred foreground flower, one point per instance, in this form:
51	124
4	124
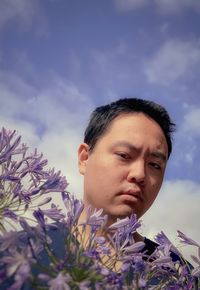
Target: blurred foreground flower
23	179
57	253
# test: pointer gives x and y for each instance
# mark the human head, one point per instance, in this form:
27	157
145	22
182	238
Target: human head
124	155
102	117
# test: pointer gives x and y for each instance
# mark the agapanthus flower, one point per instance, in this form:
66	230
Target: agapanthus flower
162	239
126	225
54	213
55	252
74	207
196	269
16	260
186	240
60	282
134	248
23	179
95	218
10	240
122	232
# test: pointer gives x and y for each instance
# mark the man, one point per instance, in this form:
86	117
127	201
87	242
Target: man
123	158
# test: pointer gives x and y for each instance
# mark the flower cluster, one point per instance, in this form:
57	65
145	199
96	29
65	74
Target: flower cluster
57	253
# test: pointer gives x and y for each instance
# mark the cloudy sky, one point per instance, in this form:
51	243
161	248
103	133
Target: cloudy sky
59	59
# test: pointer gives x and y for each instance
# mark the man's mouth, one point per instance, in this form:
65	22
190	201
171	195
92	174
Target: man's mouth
134	193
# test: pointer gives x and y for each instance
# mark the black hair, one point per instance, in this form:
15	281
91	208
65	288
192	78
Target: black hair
102	117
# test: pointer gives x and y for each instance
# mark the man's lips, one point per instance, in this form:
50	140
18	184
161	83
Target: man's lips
133	193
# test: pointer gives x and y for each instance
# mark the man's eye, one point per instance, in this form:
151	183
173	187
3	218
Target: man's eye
155	165
123	155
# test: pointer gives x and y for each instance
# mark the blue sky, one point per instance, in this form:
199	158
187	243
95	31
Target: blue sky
59	59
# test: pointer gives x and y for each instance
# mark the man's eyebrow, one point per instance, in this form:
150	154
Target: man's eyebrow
125	144
156	154
159	155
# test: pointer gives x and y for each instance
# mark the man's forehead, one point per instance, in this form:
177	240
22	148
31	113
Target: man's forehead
132	120
115	122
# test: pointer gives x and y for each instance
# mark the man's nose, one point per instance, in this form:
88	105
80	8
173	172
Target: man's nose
137	172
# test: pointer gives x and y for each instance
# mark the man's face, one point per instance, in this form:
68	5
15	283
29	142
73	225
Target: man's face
124	171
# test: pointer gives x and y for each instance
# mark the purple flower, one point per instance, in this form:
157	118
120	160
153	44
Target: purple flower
6	147
45	201
196	270
100	240
105	250
9	177
9	214
74	207
162	257
10	240
104	271
54	183
162	239
23	179
114	281
62	255
95	219
163	260
142	283
44	277
134	248
27	228
60	282
39	215
186	240
84	285
122	232
92	253
34	164
127	225
120	223
53	213
139	265
17	260
22	274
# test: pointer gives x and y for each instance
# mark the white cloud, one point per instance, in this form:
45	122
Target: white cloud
26	130
107	62
54	106
10	9
174	59
14	94
176	208
24	14
191	122
162	6
176	6
51	120
187	138
60	148
128	5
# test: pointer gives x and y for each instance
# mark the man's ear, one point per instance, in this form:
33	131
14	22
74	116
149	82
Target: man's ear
83	154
